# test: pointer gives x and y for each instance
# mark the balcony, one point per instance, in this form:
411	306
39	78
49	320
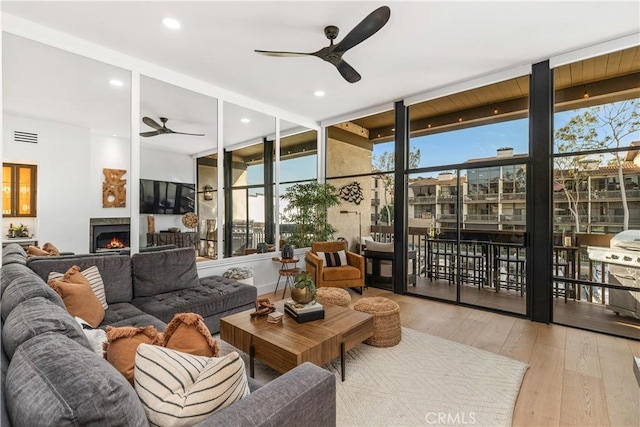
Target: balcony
421	200
481	218
447	217
472	197
570	219
614	219
513	196
520	219
614	195
490	269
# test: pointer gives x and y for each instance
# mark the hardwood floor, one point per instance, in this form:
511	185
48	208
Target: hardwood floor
579	314
575	378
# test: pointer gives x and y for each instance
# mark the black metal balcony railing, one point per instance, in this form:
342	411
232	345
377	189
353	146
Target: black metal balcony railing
498	259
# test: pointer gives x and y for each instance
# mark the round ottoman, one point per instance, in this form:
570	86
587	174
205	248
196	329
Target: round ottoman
386	320
335	296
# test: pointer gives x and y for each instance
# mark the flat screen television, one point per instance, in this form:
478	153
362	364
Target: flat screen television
163	197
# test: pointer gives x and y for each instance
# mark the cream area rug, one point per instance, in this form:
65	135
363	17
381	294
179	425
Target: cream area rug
423	381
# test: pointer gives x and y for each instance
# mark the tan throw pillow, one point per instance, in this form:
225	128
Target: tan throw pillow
50	249
78	297
180	389
92	274
188	333
122	343
36	251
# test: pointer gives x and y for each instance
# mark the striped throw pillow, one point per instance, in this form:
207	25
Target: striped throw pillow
333	259
180	389
95	281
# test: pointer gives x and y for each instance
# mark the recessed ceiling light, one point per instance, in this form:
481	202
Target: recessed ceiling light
171	23
116	82
245	120
319	93
114	135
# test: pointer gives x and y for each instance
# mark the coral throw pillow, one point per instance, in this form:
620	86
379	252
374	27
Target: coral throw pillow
36	251
78	296
187	332
122	343
91	274
50	249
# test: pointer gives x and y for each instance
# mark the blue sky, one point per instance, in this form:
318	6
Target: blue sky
442	148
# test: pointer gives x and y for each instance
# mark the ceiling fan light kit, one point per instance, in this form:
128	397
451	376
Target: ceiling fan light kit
161	129
333	53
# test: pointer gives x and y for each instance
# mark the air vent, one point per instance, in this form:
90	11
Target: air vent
19	136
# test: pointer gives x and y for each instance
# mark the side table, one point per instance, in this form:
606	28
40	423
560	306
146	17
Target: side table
289	271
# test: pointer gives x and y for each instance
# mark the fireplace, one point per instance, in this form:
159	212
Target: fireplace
109	234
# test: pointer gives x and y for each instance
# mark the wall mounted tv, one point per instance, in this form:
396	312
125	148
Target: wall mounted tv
163	197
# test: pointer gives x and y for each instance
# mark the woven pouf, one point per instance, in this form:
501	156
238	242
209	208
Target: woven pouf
386	320
335	296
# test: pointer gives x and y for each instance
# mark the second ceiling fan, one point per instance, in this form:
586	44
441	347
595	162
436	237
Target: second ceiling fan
333	53
162	129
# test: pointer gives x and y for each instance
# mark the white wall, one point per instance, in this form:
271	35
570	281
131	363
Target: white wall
108	152
265	270
162	165
63	203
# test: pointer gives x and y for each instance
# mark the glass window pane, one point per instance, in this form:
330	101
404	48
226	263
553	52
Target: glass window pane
596	199
473	125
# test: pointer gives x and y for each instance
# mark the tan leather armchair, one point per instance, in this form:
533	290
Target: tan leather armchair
345	276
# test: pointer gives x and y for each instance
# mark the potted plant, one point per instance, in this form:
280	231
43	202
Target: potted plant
307	210
304	290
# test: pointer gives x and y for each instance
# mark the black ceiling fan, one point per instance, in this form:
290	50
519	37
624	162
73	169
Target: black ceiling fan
161	129
333	53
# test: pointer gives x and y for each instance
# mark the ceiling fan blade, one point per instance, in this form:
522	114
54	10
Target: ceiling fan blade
347	71
276	53
184	133
151	123
365	29
150	133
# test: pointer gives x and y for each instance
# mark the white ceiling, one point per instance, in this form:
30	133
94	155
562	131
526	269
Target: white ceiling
425	45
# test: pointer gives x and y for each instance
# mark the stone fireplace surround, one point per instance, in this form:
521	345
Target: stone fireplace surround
98	226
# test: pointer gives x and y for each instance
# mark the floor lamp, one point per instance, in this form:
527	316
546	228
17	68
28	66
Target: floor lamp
359	227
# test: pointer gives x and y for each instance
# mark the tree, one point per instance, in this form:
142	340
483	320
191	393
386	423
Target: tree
604	126
307	208
387	162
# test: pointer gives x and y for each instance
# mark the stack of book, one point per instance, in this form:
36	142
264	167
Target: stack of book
275	317
304	312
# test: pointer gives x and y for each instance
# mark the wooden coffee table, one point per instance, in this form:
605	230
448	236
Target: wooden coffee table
288	344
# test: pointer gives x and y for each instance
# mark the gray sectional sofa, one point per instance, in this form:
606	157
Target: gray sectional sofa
50	375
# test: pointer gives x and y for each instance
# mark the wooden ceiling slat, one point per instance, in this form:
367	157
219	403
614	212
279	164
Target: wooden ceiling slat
459	102
613	63
576	71
523	84
589	70
562	76
600	67
626	60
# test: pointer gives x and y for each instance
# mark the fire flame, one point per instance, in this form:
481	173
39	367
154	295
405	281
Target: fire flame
115	243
